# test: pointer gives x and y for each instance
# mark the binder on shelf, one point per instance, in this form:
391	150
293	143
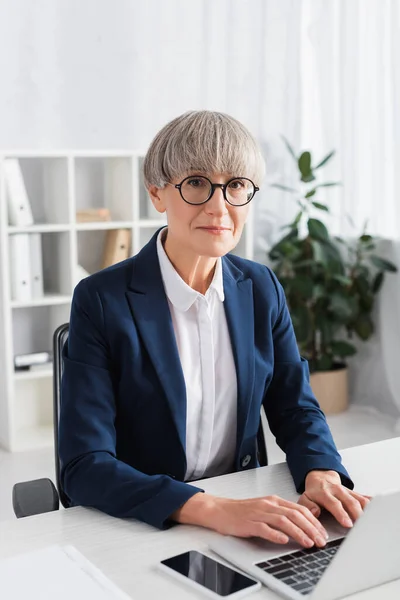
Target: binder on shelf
36	265
117	247
25	361
20	268
19	208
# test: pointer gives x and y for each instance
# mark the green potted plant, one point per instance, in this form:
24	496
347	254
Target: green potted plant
330	285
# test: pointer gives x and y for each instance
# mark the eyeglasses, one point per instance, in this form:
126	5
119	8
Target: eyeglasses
197	189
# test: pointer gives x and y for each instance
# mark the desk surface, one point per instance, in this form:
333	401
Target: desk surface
128	551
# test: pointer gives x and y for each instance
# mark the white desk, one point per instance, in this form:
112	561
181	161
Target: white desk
128	551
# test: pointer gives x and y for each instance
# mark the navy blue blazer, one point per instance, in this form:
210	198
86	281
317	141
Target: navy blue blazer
123	411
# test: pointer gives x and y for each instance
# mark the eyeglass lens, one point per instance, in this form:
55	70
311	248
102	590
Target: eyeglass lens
198	189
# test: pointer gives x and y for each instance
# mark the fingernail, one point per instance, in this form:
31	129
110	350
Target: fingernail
308	542
320	541
348	523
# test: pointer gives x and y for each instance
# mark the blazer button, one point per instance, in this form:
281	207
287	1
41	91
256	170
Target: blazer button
245	460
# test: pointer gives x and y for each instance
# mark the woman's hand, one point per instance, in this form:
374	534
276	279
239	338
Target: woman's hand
323	489
270	517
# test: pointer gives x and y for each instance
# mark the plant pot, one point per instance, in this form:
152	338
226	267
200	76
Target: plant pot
331	390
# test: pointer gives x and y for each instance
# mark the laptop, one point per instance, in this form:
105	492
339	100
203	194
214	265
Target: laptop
353	560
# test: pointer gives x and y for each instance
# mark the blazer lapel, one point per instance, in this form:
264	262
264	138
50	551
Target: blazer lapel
239	310
150	310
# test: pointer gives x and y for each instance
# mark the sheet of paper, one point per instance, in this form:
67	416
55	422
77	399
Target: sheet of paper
55	573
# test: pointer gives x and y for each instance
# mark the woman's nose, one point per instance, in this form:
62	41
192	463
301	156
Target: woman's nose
216	204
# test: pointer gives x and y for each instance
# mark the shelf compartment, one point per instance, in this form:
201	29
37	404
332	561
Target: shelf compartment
54	254
46	183
33	327
91	249
104	182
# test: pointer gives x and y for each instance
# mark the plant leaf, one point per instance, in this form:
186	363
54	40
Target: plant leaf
341	306
325	160
377	283
285	188
366	238
302	287
329	184
289	147
310	193
363	326
342	348
304	164
317	230
342	279
320	206
318	252
382	264
308	178
297	219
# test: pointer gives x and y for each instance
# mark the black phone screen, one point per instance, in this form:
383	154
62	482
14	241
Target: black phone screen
209	573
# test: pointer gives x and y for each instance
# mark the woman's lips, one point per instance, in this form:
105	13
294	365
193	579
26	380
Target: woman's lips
215	230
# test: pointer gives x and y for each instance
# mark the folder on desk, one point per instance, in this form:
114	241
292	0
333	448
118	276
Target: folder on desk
55	573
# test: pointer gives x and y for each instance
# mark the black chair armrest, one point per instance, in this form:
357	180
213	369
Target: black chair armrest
34	497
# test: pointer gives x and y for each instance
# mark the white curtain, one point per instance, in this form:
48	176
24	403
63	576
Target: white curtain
326	74
350	101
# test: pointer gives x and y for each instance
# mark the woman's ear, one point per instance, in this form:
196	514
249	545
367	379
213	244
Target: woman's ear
157	198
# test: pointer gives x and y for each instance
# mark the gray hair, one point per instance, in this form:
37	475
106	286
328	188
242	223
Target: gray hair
205	142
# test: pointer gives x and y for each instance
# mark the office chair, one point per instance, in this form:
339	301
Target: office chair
40	495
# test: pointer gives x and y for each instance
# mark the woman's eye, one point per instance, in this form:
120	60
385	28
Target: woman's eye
237	184
196	182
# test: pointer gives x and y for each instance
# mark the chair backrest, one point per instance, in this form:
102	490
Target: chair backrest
59	338
261	443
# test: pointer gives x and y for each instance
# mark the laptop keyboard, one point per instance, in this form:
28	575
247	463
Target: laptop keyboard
302	570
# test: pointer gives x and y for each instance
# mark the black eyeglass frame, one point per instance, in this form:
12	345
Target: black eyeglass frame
223	187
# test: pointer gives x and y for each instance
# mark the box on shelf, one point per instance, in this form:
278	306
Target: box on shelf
90	215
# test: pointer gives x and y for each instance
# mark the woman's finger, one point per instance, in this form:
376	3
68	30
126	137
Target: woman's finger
264	531
335	507
314	533
312	506
350	503
285	525
304	510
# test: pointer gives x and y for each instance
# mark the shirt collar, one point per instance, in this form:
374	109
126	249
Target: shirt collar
179	293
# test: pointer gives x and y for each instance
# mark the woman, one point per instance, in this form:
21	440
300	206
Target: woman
172	353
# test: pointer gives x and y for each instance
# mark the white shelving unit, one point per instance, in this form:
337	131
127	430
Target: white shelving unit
59	184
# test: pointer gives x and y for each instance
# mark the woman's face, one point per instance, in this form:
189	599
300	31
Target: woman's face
212	229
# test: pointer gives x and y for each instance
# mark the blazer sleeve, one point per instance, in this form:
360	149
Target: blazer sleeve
91	473
293	413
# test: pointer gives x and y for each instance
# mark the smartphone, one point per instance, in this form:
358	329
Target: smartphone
209	575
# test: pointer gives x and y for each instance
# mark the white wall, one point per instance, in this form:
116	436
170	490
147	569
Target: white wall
109	73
